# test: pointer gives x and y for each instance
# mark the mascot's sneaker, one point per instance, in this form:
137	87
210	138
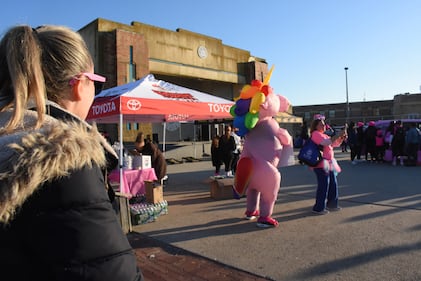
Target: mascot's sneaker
265	222
251	215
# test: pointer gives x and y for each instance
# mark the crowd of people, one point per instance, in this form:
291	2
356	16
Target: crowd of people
396	144
225	150
367	142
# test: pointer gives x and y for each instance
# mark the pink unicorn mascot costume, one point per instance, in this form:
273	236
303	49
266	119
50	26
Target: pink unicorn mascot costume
266	146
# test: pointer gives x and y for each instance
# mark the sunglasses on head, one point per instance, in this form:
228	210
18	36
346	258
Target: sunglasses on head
319	117
97	79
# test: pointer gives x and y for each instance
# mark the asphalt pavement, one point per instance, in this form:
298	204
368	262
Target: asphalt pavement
376	236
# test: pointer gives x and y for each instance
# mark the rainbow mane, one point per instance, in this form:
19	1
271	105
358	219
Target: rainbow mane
246	108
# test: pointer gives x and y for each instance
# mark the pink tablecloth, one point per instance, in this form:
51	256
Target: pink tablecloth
133	180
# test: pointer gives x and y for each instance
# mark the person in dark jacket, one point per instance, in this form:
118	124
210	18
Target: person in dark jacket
56	218
227	147
412	141
147	147
304	134
360	141
352	140
370	141
216	155
398	143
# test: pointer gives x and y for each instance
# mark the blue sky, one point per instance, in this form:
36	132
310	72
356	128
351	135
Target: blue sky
308	41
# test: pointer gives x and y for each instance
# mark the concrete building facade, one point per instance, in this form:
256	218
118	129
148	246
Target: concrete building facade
124	53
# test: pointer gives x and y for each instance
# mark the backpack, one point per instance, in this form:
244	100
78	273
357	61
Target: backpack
310	153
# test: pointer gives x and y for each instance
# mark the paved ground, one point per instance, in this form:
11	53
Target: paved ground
377	236
162	261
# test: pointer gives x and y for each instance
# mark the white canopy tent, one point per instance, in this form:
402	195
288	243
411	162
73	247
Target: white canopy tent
152	100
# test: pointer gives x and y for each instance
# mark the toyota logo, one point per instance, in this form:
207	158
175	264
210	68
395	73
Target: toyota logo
133	105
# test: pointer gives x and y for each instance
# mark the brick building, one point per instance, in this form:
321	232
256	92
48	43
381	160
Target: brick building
403	106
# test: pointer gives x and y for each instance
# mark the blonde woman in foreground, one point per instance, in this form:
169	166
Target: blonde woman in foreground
56	218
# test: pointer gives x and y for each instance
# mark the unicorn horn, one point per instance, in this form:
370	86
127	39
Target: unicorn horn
267	78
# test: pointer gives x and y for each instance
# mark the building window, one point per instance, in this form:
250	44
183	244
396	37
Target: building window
307	116
132	126
413	115
331	113
131	67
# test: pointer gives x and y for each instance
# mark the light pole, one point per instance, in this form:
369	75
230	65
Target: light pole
347	100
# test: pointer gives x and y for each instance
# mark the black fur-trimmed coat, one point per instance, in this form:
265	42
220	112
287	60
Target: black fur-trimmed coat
56	219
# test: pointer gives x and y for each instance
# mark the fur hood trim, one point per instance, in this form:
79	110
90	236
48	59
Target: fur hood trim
30	158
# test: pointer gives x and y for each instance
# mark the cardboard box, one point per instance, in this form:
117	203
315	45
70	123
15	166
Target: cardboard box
141	162
222	188
154	192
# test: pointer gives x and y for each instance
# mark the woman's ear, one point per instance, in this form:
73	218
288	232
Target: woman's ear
77	90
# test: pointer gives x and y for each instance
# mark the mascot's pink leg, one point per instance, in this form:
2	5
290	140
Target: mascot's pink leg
265	182
268	199
253	197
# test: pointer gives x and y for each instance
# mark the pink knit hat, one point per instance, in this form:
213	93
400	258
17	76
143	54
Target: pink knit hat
371	123
360	124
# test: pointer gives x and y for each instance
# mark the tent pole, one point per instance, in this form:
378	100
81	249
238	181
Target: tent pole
194	139
121	151
164	137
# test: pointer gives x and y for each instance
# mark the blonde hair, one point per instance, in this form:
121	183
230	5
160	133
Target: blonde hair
37	64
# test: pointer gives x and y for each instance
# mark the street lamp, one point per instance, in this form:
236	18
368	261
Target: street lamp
347	101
